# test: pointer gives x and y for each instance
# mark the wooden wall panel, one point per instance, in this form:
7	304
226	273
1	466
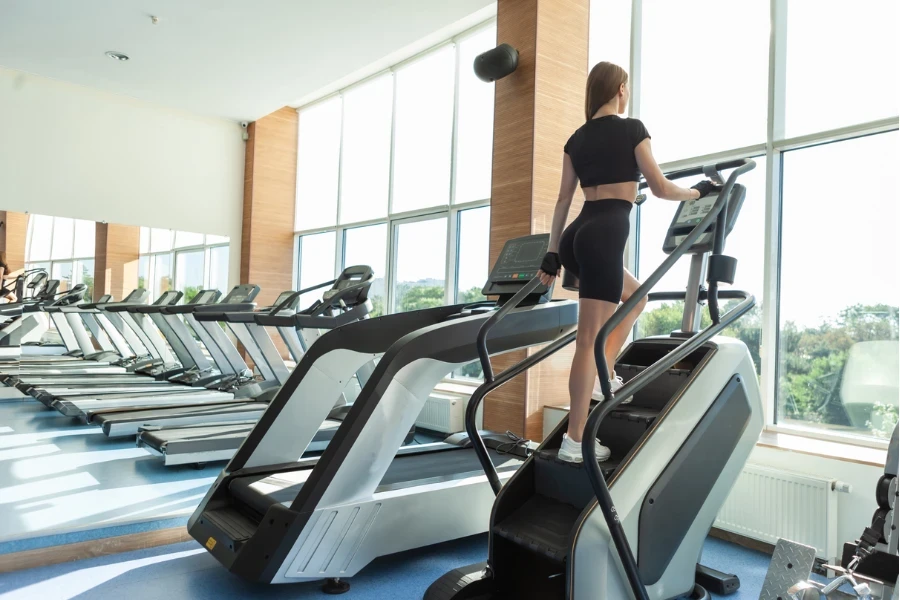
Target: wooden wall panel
116	256
270	186
12	237
536	109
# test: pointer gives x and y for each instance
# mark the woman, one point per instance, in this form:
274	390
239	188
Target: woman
607	155
5	274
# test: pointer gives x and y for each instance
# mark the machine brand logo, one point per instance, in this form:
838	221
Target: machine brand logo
210	543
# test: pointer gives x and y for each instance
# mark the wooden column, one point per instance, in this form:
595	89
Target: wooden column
270	186
116	255
12	237
536	109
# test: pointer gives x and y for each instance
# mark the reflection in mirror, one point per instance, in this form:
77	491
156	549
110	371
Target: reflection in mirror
63	247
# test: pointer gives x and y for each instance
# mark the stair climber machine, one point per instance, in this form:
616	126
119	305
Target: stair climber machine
676	448
203	438
202	384
868	567
275	517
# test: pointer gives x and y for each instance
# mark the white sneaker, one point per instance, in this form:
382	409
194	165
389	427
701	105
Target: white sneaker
570	451
615	385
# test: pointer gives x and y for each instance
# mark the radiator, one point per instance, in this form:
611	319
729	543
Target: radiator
767	504
445	412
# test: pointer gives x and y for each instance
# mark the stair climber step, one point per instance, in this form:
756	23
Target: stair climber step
543	525
608	466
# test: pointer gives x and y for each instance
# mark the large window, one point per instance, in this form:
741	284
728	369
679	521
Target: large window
815	240
64	247
395	173
840	287
183	261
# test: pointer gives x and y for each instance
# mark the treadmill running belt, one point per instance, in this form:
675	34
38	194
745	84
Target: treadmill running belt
260	492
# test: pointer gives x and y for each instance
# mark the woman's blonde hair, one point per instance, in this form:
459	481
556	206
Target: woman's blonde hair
603	84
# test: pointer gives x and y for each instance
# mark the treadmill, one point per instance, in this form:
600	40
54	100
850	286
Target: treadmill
202	384
273	518
345	302
125	422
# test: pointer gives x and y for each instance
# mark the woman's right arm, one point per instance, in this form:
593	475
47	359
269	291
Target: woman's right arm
568	184
660	186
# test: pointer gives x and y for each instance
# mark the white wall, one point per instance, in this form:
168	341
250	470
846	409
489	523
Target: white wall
71	151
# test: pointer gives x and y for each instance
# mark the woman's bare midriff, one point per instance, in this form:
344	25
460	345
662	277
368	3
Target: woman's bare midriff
627	190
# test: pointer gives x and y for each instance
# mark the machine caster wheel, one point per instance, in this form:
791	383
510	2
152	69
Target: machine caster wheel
699	593
335	586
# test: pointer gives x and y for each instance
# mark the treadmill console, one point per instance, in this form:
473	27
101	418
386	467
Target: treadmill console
241	294
168	298
205	297
692	212
518	264
282	297
137	296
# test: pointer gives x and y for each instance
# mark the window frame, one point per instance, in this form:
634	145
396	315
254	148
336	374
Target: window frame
773	149
73	259
450	210
173	257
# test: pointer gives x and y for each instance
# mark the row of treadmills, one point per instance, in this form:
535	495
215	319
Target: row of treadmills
169	373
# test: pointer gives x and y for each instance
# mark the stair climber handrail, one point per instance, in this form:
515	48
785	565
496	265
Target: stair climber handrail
594	473
491	383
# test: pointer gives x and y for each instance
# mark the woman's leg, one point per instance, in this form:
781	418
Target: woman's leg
592	314
619	335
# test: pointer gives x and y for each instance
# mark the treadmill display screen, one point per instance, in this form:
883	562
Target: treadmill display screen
520	259
166	298
282	297
693	211
204	297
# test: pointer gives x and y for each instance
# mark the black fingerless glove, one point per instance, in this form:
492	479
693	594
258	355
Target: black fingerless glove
705	187
551	265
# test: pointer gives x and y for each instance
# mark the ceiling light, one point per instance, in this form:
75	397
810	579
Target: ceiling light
117	55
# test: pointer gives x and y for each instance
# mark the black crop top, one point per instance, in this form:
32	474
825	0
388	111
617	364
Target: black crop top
602	150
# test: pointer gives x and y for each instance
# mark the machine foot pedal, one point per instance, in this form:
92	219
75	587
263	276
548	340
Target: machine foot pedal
791	564
716	581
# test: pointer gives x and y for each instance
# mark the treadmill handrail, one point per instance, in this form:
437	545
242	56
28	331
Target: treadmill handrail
592	469
481	342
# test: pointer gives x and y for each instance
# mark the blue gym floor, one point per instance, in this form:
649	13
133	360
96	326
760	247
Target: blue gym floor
186	571
60	479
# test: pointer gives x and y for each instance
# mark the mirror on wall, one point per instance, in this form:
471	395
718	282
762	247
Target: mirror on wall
168	259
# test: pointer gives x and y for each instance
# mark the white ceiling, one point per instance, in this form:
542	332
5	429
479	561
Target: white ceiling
237	59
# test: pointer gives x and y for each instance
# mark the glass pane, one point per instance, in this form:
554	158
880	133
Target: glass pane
368	246
421	261
316	264
216	239
318	155
162	274
838	344
63	236
143	272
689	110
366	153
831	52
41	229
218	268
610	33
745	243
62	271
161	240
145	240
475	121
423	131
472	265
84	273
184	239
189	273
85	232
